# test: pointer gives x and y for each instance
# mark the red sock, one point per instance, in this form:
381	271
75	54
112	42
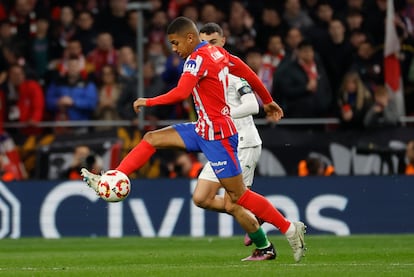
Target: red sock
262	208
136	158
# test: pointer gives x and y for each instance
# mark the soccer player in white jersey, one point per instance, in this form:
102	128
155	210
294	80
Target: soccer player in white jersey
243	104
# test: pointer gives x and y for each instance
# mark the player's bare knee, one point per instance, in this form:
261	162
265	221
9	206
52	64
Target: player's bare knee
233	197
230	207
200	202
148	136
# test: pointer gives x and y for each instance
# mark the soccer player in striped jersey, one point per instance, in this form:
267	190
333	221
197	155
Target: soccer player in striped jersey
205	77
243	104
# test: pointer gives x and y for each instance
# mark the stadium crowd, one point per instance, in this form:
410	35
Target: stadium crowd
69	60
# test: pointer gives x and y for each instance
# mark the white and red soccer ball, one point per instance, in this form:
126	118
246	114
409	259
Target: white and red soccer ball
114	186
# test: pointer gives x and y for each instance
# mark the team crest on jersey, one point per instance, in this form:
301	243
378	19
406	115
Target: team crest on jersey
225	111
192	66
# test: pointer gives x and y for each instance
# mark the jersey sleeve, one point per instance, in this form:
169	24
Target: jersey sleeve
248	106
239	68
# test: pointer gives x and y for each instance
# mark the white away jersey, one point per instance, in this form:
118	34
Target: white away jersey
248	133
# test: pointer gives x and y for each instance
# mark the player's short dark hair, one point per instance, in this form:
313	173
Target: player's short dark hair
181	24
211	28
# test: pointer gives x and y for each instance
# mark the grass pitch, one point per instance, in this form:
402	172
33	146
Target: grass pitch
373	255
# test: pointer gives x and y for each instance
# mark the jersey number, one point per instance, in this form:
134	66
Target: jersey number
224	79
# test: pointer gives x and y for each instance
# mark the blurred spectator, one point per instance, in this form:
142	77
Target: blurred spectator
12	55
315	165
6	35
354	100
319	31
41	50
383	112
94	6
336	51
209	13
408	11
271	24
72	96
73	50
157	52
83	157
23	102
293	37
295	16
409	156
354	21
104	53
264	71
6	40
271	59
22	18
127	64
352	6
173	69
132	31
301	86
311	6
153	86
356	38
85	31
156	31
186	165
240	24
7	173
191	11
375	22
10	160
114	21
174	7
109	92
64	30
369	64
3	13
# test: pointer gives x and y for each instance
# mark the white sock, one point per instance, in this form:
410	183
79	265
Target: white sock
291	230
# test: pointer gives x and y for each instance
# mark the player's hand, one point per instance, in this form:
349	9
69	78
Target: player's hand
273	111
140	102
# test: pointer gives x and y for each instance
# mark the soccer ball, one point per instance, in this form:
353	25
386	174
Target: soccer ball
114	186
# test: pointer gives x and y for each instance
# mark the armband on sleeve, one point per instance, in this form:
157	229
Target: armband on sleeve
244	90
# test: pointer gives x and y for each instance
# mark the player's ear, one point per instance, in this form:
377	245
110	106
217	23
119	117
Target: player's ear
190	37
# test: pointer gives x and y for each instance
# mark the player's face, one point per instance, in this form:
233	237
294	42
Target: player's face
181	44
213	39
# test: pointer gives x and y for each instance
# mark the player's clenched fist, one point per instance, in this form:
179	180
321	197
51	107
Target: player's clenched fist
140	102
273	111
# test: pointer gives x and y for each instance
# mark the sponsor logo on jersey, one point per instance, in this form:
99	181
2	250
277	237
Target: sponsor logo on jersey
193	65
218	163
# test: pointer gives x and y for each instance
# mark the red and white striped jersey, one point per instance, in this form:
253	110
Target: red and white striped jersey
205	76
210	66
